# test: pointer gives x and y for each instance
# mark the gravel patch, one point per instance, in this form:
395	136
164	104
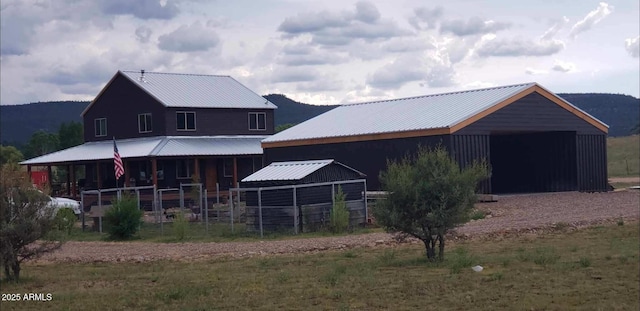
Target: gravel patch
510	215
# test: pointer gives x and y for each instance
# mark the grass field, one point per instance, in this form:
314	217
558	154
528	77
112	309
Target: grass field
623	156
590	269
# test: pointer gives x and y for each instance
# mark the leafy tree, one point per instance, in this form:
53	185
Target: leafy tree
70	134
427	194
283	127
24	219
42	142
10	154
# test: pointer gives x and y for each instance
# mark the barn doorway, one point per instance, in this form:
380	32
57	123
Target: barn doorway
533	162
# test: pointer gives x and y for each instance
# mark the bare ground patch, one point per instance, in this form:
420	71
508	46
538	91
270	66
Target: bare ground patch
535	213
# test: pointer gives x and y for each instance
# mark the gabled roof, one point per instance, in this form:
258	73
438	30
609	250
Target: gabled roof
194	90
292	170
163	146
411	117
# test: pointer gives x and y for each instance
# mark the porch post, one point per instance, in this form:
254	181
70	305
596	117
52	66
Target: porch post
235	172
68	179
196	168
72	172
98	177
154	171
29	170
50	178
126	172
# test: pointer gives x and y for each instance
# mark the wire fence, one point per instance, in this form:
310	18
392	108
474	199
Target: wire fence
291	209
296	208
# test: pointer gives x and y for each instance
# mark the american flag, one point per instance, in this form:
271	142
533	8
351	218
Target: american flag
117	161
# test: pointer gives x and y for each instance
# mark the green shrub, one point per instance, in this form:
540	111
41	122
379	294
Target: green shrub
180	226
477	214
65	219
123	219
339	217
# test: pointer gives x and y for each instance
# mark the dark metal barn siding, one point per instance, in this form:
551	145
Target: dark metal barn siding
533	112
466	149
592	162
369	157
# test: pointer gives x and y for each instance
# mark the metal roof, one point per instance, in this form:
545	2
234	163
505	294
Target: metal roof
198	91
164	146
406	114
293	170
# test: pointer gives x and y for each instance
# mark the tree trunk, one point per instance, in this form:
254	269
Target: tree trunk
16	270
441	247
430	251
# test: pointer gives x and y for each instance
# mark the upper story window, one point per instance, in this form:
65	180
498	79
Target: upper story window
101	127
185	121
145	125
257	121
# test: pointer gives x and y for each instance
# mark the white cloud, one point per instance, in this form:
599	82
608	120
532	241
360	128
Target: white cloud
473	26
557	26
632	45
532	71
143	33
563	66
424	18
591	19
519	47
192	38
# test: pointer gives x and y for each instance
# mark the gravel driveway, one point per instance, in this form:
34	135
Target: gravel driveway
518	213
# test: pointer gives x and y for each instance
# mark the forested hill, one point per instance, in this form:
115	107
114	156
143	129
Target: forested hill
620	112
19	122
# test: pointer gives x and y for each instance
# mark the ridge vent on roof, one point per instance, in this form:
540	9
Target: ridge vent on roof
441	94
174	73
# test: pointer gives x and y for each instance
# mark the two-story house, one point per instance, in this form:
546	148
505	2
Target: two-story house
169	129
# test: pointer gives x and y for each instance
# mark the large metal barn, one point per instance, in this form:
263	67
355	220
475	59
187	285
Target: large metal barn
534	140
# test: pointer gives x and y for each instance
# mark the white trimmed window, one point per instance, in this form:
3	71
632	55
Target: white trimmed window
257	121
184	168
185	121
145	124
101	127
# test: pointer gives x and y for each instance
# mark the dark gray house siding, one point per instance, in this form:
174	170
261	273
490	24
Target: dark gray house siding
120	104
218	121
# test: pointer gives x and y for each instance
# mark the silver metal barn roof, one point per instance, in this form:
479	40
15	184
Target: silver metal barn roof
438	111
291	170
195	90
165	146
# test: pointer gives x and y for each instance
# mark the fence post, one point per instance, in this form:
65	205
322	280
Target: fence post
100	209
82	210
231	208
260	210
206	206
161	212
181	199
366	208
201	200
218	202
295	210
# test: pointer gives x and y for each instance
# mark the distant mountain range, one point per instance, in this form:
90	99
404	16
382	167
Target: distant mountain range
19	122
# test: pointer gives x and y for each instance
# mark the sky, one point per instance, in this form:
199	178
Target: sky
321	52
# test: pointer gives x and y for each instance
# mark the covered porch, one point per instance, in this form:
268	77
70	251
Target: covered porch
166	162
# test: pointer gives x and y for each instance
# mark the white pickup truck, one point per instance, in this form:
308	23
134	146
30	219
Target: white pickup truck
59	203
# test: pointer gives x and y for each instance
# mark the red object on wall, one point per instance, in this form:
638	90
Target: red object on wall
40	179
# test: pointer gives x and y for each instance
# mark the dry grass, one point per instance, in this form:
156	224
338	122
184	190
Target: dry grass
623	156
595	268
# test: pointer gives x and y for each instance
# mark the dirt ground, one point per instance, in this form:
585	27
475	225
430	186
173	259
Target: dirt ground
516	214
635	179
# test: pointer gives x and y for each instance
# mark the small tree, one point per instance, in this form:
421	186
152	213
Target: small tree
339	216
25	219
427	195
123	218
